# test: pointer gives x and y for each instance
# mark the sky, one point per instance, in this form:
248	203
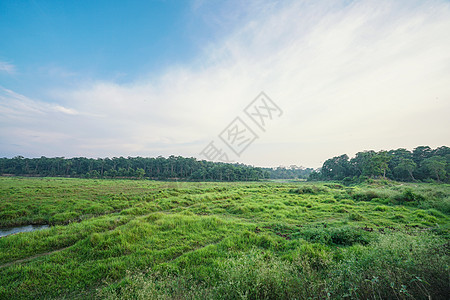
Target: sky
150	78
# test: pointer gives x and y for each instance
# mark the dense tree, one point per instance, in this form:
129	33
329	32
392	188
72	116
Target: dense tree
406	166
336	167
436	166
291	172
361	163
379	163
172	168
423	163
397	157
421	153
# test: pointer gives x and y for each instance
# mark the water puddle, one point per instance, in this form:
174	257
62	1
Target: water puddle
28	228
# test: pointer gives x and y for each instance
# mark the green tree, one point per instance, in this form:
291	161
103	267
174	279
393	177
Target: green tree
140	173
406	166
361	165
436	165
336	167
380	164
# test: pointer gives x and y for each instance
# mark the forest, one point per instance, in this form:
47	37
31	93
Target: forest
421	164
159	168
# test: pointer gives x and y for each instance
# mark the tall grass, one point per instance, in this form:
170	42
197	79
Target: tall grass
150	240
396	266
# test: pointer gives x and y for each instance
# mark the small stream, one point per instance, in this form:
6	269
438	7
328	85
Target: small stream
27	228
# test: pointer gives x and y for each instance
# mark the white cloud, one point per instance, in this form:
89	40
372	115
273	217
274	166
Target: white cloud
14	105
348	76
65	110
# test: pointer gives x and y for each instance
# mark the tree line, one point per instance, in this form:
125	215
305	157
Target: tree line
421	164
159	168
292	172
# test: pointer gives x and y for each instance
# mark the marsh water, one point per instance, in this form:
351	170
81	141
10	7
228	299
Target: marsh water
27	228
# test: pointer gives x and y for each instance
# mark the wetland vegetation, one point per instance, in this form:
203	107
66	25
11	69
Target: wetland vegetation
142	239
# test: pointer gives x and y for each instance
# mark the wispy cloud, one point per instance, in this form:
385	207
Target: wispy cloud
14	105
7	67
33	127
348	75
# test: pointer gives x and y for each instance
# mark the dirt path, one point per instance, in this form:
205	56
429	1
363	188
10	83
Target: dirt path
32	257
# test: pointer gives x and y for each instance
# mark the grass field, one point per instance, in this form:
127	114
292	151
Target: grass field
140	239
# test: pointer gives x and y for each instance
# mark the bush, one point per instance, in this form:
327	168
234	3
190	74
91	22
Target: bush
348	181
154	286
347	236
381	208
442	205
250	275
366	195
317	256
255	275
408	196
316	235
355	217
396	266
344	236
308	189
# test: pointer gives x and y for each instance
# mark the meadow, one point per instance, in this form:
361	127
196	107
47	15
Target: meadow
142	239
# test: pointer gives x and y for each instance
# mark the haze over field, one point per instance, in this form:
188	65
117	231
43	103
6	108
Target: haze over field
160	78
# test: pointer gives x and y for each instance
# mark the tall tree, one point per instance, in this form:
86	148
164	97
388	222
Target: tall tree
336	168
436	165
379	163
408	166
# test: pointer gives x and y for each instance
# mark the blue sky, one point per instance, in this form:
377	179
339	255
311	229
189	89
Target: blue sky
112	40
149	78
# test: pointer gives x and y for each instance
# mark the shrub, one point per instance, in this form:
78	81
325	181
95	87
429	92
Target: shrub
250	275
366	195
316	235
334	186
442	205
408	196
396	266
380	208
436	213
154	286
317	256
343	236
255	275
347	181
308	189
347	236
340	209
355	217
328	200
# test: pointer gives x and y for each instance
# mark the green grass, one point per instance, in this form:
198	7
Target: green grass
261	240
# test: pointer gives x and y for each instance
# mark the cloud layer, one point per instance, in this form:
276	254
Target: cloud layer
349	76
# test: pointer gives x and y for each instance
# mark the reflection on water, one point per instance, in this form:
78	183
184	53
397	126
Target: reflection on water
13	230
